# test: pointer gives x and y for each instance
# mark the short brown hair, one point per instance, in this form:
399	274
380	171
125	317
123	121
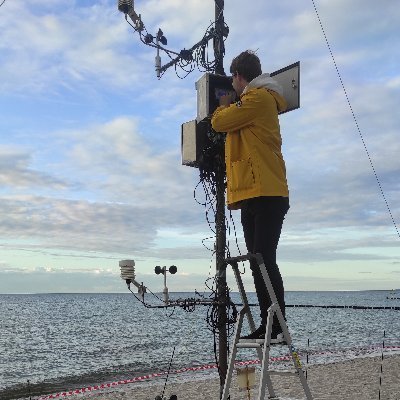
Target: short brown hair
246	64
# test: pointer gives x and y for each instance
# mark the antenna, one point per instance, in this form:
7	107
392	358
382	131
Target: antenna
127	268
163	270
186	59
125	5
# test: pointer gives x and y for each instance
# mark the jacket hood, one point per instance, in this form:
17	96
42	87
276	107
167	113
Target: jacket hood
265	81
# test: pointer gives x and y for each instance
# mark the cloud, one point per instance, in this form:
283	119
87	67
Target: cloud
337	283
99	280
127	169
15	171
90	147
328	246
47	52
167	15
134	193
103	280
82	225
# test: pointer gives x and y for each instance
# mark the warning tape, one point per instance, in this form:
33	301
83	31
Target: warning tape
147	377
182	370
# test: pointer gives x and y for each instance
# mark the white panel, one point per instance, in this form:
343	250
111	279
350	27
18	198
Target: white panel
203	101
208	87
188	143
289	79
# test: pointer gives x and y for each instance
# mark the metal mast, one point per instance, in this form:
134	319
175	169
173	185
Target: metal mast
184	58
219	50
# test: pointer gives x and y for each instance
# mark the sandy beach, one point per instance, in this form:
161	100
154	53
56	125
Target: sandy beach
357	379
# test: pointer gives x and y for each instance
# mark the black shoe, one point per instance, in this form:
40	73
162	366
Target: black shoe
277	336
259	333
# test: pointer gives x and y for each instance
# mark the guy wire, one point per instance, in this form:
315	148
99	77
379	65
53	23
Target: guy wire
381	367
169	369
355	119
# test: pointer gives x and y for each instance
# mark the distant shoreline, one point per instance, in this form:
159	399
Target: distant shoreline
207	292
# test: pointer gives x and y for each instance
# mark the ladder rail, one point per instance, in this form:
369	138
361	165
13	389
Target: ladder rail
250	318
262	346
245	301
285	330
232	356
265	378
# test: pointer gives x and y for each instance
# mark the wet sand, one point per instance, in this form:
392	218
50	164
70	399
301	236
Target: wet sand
357	379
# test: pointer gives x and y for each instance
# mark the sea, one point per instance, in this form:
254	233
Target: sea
52	343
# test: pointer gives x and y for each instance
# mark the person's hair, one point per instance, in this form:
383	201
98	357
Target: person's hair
246	64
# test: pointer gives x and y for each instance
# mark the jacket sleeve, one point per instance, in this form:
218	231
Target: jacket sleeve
237	115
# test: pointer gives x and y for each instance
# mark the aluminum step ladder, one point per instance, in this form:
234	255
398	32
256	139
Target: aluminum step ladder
262	346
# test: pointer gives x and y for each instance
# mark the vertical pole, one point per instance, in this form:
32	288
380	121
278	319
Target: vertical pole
221	272
219	47
220	213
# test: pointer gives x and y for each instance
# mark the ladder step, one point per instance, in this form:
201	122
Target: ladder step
250	343
245	257
283	372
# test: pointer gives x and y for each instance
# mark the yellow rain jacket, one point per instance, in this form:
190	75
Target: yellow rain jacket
254	162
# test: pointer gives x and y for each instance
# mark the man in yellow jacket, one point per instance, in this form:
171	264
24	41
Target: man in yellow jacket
255	171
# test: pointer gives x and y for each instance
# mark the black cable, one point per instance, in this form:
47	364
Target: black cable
212	318
208	183
381	367
199	52
212	161
142	300
2	2
231	220
169	315
169	369
355	120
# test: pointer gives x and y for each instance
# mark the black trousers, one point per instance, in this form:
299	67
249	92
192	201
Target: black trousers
262	220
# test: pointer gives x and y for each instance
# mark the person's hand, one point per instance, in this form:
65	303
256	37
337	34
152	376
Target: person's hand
226	99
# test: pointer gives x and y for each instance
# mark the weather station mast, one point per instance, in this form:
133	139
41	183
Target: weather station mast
203	148
187	59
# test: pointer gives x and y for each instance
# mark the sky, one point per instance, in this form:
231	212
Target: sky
90	144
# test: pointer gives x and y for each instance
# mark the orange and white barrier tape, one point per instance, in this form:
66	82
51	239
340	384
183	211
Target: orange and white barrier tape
179	371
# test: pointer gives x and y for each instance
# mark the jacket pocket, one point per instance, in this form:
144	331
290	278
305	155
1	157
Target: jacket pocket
242	175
